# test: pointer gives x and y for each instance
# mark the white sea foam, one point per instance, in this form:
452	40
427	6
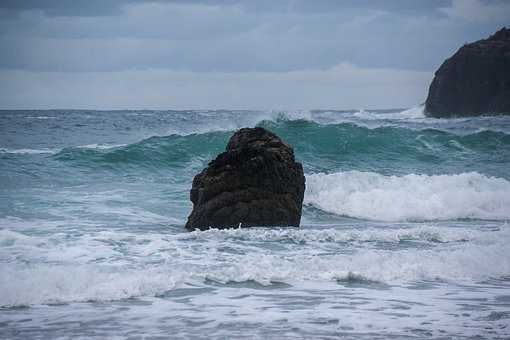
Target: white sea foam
40	117
28	151
411	113
374	196
87	246
62	284
26	285
101	146
108	265
56	150
424	233
292	115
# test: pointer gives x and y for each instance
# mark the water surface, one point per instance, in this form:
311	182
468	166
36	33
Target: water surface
404	232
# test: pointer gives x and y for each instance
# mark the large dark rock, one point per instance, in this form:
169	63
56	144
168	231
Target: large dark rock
255	182
474	81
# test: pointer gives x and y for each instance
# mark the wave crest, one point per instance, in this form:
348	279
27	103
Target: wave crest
373	196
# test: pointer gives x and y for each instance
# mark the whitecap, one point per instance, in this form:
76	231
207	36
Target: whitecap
40	117
29	151
413	197
424	233
73	282
101	146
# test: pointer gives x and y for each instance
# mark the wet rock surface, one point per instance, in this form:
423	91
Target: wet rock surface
255	182
474	81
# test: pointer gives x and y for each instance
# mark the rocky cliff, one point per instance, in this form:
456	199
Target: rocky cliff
474	81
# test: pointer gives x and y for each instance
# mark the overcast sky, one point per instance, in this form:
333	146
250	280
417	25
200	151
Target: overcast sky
258	54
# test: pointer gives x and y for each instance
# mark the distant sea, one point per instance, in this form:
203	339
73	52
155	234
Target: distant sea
405	231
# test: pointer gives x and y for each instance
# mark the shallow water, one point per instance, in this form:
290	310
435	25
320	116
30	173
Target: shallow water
404	232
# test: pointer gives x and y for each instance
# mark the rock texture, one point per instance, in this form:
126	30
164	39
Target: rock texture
255	182
474	81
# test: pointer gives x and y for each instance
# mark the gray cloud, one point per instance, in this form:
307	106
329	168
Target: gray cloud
236	36
67	8
206	37
115	7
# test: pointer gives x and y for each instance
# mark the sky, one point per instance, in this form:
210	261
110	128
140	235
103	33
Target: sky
232	54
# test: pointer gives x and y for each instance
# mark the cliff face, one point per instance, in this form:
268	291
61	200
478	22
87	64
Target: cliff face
474	81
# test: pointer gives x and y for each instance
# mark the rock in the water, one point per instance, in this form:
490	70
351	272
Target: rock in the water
474	81
255	182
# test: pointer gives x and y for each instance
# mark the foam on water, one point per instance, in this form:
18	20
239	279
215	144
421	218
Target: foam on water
411	113
370	195
57	150
101	146
103	266
78	283
423	233
29	151
40	117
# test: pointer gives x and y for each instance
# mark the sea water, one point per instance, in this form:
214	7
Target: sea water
405	230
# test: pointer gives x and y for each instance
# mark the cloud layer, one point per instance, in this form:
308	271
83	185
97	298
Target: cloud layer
230	53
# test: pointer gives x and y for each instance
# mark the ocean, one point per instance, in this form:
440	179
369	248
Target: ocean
405	230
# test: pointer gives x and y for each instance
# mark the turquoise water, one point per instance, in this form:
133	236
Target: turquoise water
404	231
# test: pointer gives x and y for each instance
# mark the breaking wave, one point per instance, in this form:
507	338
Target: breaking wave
321	148
411	197
89	268
45	284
